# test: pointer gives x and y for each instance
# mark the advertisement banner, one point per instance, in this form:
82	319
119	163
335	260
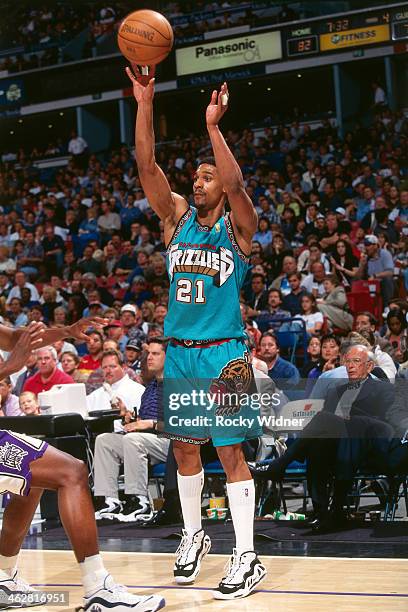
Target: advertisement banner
353	38
216	78
223	54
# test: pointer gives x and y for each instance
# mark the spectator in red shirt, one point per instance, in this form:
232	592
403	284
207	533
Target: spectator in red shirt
48	374
92	362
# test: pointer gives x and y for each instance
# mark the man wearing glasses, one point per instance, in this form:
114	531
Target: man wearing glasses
350	431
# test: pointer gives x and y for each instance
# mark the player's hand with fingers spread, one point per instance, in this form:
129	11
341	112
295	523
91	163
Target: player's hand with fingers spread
217	106
143	85
36	329
78	330
18	356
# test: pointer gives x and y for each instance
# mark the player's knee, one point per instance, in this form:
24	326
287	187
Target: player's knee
75	473
231	457
186	454
185	450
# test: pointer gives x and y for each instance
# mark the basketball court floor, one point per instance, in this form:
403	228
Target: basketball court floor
293	583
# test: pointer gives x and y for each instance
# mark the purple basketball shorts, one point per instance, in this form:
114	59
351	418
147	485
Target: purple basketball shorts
17	451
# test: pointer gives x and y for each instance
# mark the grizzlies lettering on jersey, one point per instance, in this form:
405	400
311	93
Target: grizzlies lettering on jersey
218	263
206	268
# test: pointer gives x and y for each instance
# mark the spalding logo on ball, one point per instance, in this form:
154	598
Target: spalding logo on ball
145	37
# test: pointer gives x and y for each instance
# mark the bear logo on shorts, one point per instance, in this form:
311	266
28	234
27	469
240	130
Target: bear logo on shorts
234	380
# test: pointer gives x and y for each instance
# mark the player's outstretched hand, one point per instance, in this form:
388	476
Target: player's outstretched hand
143	84
78	330
217	106
28	341
36	329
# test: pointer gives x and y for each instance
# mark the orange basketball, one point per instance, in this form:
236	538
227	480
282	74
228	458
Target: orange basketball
145	37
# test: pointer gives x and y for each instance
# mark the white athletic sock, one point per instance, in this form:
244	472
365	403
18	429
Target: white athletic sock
7	566
93	573
241	496
190	488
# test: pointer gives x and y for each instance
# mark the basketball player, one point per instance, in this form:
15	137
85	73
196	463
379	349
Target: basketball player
28	466
207	261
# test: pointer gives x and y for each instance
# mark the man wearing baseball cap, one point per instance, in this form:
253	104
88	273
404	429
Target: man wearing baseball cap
133	352
380	266
131	320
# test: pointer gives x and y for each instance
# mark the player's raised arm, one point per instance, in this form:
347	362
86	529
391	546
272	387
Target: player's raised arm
244	217
168	206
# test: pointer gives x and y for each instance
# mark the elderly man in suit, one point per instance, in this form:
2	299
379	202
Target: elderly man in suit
340	439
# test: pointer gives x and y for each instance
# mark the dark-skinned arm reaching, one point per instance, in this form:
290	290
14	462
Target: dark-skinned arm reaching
243	216
44	336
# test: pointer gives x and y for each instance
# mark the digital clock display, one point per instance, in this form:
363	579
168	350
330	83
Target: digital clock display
338	25
400	30
302	46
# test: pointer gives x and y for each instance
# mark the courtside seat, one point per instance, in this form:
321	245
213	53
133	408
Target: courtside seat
296	414
397	489
158	470
295	468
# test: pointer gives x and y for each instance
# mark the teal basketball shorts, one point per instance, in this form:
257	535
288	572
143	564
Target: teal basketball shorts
208	393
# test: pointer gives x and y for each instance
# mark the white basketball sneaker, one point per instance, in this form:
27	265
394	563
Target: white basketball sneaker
189	555
17	593
116	598
110	511
243	574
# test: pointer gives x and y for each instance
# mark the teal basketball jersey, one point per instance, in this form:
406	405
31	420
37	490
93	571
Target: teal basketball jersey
206	269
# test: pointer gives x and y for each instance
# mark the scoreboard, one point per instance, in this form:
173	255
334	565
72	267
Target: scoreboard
246	55
212	60
345	32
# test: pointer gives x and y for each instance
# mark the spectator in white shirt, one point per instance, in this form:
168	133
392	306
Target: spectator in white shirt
20	280
77	144
310	314
78	147
380	99
118	389
313	283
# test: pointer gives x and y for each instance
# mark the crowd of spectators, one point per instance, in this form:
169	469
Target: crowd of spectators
331	211
209	16
45	30
40	31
